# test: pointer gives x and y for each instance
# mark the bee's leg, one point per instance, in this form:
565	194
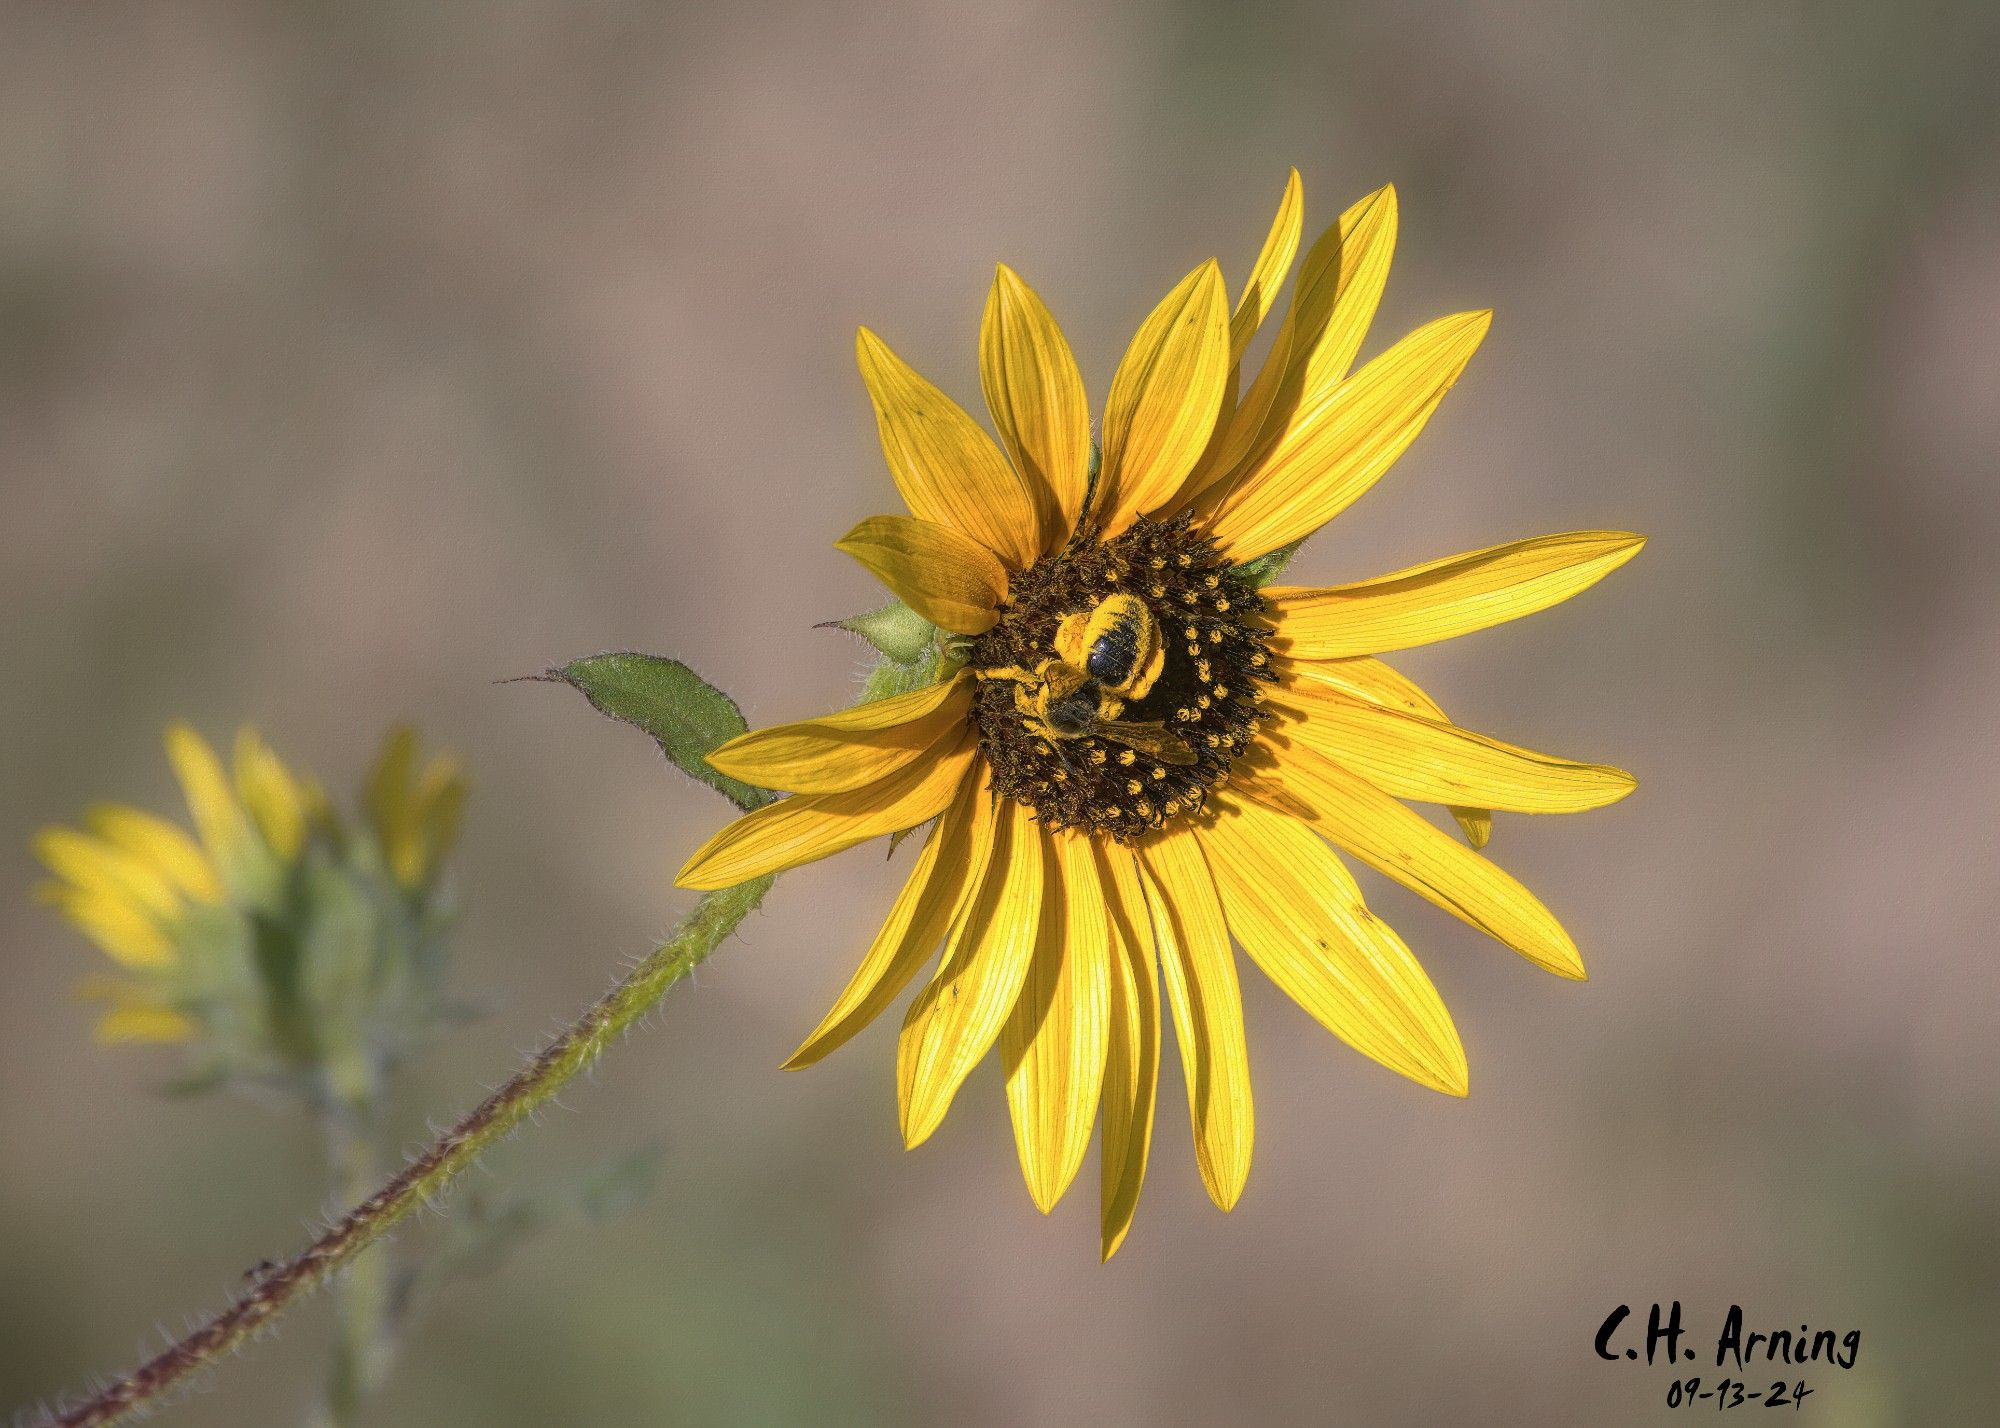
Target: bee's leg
1056	742
1011	672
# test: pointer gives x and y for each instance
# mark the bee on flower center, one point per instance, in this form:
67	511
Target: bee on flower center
1061	701
1082	668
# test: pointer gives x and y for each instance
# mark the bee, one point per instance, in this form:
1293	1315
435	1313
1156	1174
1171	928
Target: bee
1118	644
1104	658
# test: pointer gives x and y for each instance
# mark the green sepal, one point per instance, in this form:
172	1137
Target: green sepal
688	717
888	679
896	631
1268	567
339	953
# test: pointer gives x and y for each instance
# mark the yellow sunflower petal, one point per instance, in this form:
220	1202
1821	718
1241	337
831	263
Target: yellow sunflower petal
1432	762
270	794
1364	677
1132	1061
1164	399
1200	972
1445	598
948	470
954	1020
1299	915
436	805
948	578
1379	683
140	1023
217	817
1053	1045
98	868
1399	843
1333	451
1339	284
127	933
1475	823
810	826
136	1014
1239	430
388	795
159	844
948	867
1253	305
1267	274
850	748
1035	393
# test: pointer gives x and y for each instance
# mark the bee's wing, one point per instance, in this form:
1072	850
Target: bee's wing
1147	739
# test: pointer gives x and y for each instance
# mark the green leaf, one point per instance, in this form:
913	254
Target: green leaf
688	717
484	1229
208	1075
896	631
619	1185
1268	567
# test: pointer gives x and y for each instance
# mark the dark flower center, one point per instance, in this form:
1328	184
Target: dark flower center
1123	679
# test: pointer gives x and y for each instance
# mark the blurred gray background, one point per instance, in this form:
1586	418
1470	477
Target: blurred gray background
355	356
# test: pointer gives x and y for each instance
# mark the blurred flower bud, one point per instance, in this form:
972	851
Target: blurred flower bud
281	944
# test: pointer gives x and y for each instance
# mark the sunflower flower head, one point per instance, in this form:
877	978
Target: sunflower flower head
273	938
1135	756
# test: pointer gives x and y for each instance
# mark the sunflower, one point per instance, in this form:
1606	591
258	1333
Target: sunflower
180	914
1133	754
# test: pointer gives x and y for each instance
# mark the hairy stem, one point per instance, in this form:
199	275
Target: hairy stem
713	918
364	1334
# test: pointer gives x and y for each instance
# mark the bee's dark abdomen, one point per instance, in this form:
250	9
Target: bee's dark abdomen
1112	657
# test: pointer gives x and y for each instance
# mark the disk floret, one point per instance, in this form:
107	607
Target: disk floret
1123	679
